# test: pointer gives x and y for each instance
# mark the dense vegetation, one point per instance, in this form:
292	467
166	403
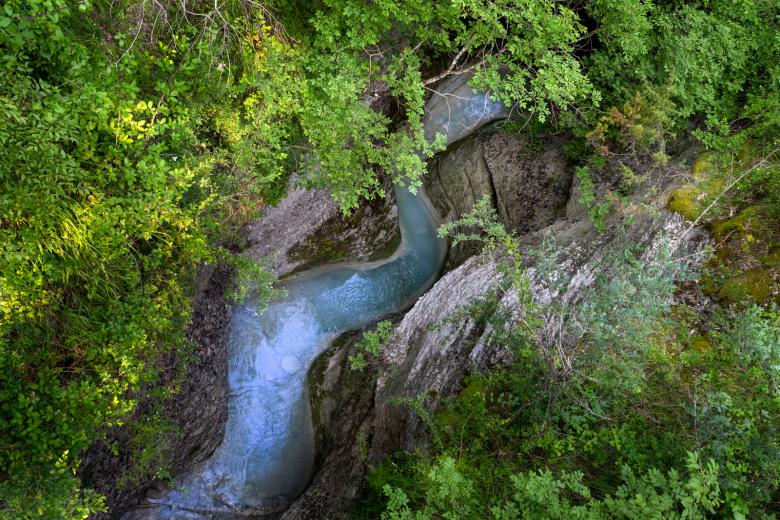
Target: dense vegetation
136	137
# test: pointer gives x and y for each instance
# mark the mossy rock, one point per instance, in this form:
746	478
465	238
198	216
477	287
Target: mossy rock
713	185
685	201
449	415
739	224
757	285
689	201
772	259
700	344
703	165
387	250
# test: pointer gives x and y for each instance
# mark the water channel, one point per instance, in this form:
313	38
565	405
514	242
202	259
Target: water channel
266	457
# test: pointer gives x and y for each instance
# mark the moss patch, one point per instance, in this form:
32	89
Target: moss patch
450	415
685	201
757	285
691	201
700	344
742	224
703	165
746	266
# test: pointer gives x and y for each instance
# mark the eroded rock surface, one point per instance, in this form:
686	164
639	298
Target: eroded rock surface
429	353
342	406
307	229
527	180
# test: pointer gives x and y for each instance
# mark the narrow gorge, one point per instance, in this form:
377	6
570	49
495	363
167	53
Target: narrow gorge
273	462
389	259
266	457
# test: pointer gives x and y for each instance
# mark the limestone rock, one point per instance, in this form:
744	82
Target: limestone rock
434	347
307	229
430	360
531	179
428	353
527	180
343	402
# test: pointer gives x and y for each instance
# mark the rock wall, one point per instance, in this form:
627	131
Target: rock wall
342	407
527	179
427	359
197	411
307	229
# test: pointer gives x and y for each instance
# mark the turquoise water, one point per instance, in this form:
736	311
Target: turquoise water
268	451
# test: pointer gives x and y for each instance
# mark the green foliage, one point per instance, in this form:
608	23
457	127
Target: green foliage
652	495
542	495
755	339
53	493
133	150
149	446
525	57
597	211
255	279
738	417
534	68
113	188
481	224
524	49
636	132
709	53
372	343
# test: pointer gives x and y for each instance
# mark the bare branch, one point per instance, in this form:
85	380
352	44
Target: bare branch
730	185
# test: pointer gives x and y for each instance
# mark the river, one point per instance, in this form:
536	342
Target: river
265	459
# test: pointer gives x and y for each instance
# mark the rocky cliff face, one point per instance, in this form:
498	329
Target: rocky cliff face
528	181
364	417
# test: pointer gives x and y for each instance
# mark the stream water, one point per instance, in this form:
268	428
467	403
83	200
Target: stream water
266	457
